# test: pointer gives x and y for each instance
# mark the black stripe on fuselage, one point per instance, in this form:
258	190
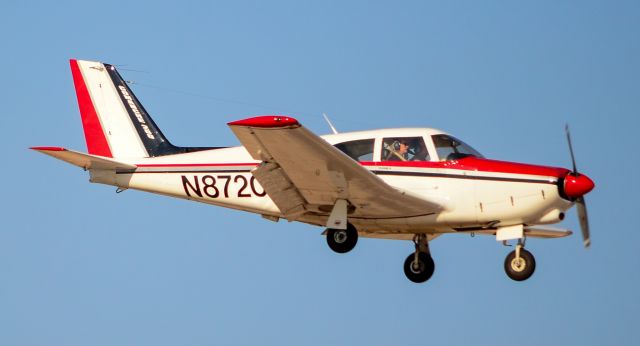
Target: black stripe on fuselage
461	176
397	173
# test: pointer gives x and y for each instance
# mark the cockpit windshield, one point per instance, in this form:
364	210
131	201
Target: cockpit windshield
451	148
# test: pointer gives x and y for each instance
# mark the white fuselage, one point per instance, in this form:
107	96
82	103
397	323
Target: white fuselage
471	197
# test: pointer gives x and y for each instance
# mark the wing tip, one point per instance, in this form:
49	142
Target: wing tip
48	148
266	121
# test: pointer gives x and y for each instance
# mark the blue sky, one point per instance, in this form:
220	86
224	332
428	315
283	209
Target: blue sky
80	265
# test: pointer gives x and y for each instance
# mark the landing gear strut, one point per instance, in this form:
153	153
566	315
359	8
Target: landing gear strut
520	263
342	240
419	266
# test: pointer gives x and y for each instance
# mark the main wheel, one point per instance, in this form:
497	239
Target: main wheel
342	240
522	268
421	270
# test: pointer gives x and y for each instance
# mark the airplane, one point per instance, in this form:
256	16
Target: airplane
411	184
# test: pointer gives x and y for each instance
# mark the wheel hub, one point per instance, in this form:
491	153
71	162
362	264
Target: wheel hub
417	267
340	237
518	264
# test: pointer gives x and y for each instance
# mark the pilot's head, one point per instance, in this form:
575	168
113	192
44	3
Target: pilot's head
404	146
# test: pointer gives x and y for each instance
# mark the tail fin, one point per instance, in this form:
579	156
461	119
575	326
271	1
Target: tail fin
115	123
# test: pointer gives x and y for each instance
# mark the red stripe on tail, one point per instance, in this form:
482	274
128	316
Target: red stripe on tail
94	135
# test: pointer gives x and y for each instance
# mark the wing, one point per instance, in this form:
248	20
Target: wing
536	231
546	232
392	236
302	173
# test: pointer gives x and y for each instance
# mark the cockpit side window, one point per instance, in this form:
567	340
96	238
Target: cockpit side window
404	149
360	150
451	148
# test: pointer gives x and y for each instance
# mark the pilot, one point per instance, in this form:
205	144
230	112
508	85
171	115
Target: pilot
402	151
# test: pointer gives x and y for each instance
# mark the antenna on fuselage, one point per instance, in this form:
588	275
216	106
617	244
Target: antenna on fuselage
335	132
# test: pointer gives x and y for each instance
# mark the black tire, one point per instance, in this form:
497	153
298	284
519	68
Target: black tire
425	268
520	271
342	241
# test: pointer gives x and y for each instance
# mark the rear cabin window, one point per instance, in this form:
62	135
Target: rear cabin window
451	148
404	149
360	150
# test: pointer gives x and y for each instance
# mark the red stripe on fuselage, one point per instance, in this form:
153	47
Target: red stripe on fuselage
478	165
93	134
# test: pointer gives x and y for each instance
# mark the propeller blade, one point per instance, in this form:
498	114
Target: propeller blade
581	207
573	160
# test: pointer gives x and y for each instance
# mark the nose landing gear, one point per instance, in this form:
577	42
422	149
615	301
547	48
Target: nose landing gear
520	263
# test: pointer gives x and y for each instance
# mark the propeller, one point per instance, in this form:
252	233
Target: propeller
581	205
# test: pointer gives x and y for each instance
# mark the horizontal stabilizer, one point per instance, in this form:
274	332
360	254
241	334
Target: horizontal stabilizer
86	161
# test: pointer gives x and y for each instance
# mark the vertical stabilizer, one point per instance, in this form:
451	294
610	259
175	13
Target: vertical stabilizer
115	122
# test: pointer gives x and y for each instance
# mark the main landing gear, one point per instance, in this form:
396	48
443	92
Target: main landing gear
419	266
520	263
342	240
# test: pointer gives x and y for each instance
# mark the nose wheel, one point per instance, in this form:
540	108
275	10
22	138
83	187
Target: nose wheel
519	264
419	266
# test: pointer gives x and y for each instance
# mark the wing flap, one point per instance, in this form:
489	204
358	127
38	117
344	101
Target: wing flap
281	190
